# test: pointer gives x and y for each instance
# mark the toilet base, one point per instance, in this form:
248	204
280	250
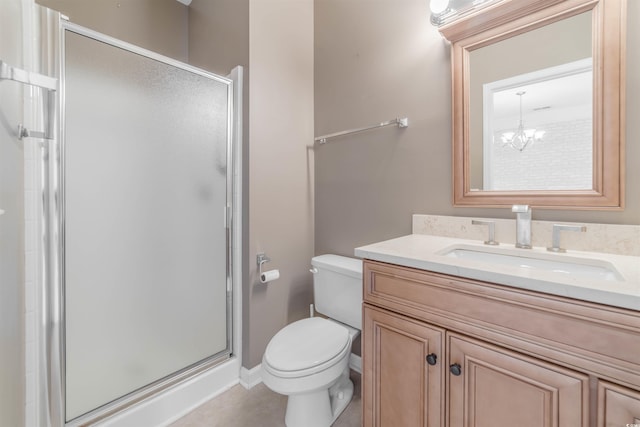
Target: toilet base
319	408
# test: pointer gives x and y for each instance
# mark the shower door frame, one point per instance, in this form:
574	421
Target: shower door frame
53	225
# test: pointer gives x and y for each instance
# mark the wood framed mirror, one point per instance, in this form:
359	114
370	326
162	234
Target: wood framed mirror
538	104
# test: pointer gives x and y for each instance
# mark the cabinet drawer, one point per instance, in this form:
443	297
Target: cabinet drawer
546	326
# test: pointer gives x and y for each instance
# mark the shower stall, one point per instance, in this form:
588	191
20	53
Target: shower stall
139	247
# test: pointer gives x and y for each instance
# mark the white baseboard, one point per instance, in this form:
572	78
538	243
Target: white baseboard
250	378
178	401
355	363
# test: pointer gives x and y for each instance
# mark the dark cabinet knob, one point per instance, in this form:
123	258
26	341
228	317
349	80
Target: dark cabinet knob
432	359
455	369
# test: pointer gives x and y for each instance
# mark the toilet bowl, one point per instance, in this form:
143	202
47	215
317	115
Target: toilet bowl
308	360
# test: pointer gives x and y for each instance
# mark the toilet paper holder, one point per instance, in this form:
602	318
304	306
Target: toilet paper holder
266	276
261	259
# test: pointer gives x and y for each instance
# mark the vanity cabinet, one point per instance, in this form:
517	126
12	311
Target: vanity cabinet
442	350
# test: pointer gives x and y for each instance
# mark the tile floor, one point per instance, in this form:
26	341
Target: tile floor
259	407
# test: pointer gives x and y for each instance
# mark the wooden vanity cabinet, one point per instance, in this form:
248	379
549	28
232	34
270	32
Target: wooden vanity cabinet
441	350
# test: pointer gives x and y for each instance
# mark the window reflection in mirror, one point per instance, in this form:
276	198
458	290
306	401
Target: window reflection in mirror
547	71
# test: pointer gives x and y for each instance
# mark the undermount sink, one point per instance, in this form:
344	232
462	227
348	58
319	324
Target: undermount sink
561	264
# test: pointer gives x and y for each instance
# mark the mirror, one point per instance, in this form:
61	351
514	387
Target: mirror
548	92
537	111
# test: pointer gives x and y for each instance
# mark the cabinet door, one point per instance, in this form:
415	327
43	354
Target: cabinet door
403	371
490	386
617	406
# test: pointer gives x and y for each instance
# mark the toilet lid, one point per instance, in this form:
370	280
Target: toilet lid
305	344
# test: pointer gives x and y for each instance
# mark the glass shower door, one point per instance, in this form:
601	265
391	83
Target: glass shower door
146	192
12	249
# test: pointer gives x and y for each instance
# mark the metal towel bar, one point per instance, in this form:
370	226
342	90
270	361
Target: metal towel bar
401	123
8	72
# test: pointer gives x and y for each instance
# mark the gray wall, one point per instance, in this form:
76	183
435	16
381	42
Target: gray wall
157	25
219	34
381	59
280	168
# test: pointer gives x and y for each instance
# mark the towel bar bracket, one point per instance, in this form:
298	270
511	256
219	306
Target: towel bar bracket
50	84
23	132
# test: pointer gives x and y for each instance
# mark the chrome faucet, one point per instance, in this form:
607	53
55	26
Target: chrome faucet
523	226
557	228
492	231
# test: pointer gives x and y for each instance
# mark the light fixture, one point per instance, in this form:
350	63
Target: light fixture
439	9
439	6
521	138
446	11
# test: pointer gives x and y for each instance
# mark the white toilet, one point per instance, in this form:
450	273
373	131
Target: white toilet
308	360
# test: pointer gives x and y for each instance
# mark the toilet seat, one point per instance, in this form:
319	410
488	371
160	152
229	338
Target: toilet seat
306	347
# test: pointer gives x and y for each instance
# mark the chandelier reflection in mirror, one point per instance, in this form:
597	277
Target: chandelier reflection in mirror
521	138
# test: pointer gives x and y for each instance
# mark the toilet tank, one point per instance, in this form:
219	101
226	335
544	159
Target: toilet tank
337	288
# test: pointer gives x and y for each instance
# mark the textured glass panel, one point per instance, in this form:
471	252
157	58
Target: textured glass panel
145	242
12	225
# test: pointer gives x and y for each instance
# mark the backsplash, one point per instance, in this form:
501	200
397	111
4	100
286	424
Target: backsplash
609	238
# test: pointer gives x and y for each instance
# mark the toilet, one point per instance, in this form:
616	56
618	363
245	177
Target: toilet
308	360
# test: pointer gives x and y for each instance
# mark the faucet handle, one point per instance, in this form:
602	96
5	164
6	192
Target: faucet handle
492	231
555	235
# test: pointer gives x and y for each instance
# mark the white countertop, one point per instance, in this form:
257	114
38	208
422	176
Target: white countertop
425	252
